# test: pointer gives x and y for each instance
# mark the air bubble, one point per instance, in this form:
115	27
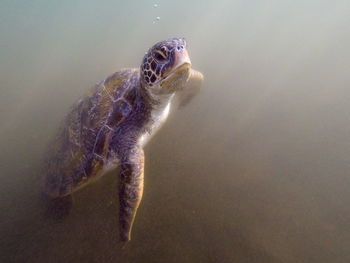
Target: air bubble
156	20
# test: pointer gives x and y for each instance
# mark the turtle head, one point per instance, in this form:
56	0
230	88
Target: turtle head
166	66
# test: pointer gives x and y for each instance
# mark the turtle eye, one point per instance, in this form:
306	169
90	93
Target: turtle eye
160	55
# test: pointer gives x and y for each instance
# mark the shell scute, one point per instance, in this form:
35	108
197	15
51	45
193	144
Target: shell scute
121	109
81	147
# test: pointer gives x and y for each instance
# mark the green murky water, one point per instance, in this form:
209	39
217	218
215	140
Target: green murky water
255	169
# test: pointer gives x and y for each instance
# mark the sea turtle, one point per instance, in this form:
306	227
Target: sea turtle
112	123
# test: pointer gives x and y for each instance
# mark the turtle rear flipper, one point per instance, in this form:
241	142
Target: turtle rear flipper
59	207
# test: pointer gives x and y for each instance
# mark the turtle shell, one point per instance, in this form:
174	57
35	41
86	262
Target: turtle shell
81	147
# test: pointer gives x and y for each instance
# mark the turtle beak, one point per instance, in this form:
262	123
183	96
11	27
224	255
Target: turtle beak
179	73
182	60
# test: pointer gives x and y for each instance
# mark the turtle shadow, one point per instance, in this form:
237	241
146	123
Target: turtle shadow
57	208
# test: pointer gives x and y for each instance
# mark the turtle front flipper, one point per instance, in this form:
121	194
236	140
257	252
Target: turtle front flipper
191	89
57	208
130	190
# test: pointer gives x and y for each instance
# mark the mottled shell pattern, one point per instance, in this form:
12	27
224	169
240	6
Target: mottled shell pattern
81	146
